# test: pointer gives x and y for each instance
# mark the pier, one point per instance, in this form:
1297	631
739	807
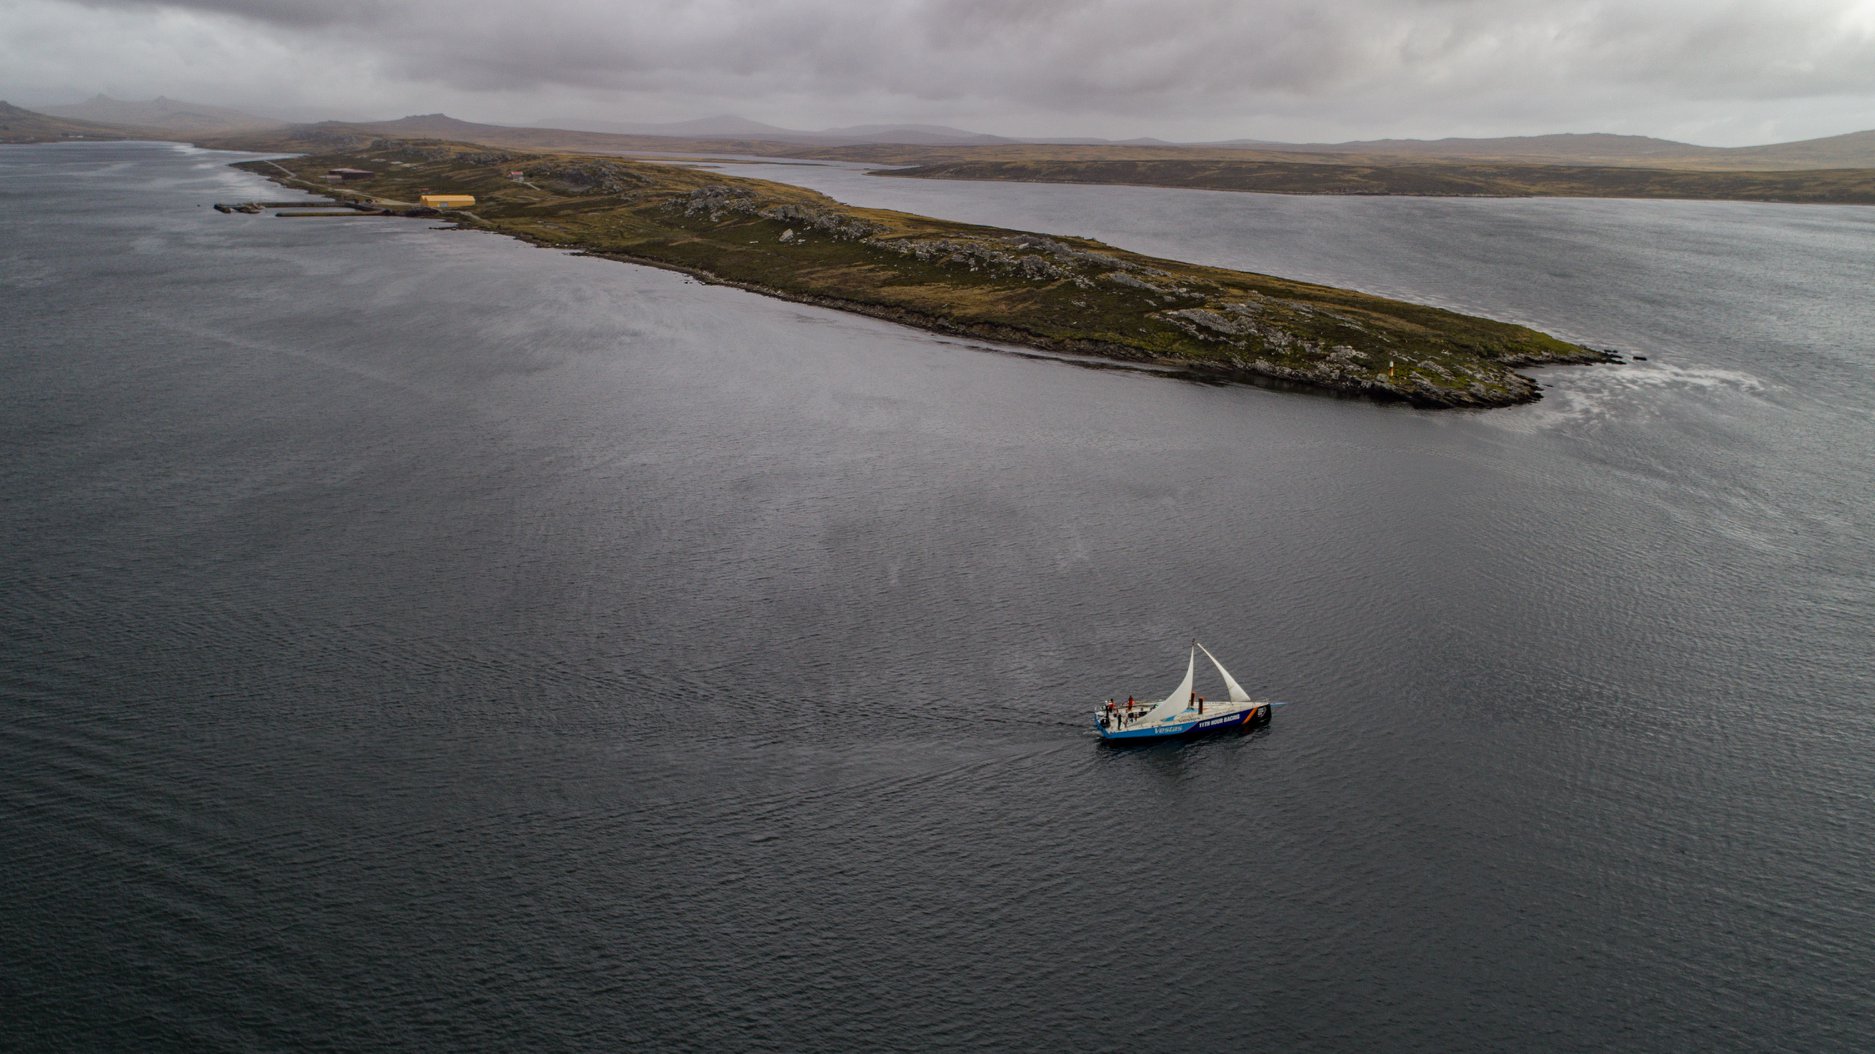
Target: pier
309	208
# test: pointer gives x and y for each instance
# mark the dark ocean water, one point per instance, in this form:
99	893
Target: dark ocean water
415	640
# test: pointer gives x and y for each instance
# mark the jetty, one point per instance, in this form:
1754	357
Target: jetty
314	208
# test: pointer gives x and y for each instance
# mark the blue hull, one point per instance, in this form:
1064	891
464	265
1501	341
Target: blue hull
1237	722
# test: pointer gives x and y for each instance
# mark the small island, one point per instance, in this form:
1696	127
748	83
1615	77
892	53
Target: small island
1061	294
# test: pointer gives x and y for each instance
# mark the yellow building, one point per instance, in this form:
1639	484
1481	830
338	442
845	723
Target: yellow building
447	201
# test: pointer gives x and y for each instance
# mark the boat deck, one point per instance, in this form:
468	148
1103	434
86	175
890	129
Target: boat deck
1128	723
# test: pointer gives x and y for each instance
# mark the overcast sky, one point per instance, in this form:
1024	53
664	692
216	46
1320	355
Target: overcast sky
1719	72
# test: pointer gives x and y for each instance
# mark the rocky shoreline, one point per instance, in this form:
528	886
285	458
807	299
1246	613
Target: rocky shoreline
1255	374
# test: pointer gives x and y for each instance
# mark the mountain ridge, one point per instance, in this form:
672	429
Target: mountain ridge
927	144
20	125
162	112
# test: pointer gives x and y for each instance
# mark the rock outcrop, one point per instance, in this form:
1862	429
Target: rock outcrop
586	177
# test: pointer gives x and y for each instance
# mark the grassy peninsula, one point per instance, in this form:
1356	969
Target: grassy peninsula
1058	293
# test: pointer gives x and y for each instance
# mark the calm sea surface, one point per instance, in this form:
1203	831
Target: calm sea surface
415	640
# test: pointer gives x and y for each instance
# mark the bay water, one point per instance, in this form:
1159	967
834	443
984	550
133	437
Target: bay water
414	639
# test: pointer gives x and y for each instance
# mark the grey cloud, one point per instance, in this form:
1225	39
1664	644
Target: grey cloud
292	14
1217	64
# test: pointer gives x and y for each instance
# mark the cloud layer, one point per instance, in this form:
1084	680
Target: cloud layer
1714	71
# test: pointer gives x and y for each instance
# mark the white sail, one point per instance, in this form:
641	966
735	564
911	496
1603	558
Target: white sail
1237	694
1174	704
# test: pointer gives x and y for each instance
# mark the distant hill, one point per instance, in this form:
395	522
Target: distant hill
782	142
28	126
702	127
741	128
933	134
334	135
1571	148
1144	140
1853	150
927	145
170	115
424	125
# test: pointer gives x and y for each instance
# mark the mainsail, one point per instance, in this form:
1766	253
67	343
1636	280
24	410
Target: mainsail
1237	694
1181	696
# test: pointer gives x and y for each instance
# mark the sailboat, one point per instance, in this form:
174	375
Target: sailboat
1183	713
